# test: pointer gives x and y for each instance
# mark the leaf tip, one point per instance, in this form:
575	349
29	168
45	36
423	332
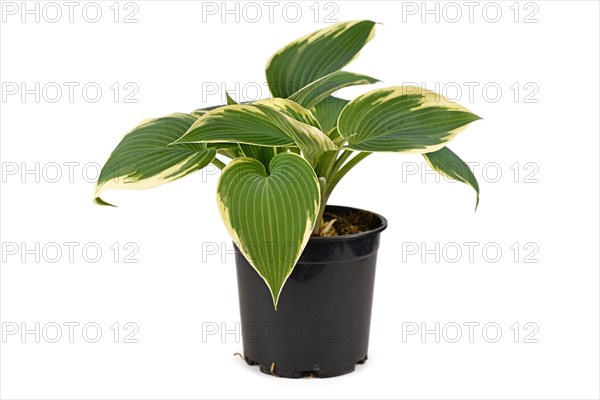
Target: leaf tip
230	100
100	202
275	299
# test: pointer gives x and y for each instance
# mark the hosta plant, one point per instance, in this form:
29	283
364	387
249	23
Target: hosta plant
282	157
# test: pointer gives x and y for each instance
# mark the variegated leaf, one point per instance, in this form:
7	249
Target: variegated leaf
270	215
144	159
328	111
315	55
292	110
402	119
261	153
319	90
239	123
261	125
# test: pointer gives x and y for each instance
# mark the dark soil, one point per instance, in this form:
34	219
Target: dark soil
355	222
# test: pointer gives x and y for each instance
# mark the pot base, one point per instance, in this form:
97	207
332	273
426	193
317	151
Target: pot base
315	372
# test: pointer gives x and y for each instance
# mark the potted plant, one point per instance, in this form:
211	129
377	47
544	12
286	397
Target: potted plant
305	269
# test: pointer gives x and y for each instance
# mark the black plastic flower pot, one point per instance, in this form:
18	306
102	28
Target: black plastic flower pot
321	326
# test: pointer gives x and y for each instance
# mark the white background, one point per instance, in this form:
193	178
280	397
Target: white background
550	208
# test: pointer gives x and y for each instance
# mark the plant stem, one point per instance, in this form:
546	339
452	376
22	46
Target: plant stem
218	163
328	184
322	204
337	176
339	162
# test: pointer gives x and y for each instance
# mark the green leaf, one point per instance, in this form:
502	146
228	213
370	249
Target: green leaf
270	216
328	111
239	123
230	150
291	109
199	112
445	162
299	113
315	55
260	125
143	159
262	154
319	90
402	119
230	99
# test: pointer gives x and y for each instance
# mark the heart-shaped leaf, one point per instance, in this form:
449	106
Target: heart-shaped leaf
270	216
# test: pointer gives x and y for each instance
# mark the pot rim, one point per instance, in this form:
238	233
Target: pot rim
375	231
